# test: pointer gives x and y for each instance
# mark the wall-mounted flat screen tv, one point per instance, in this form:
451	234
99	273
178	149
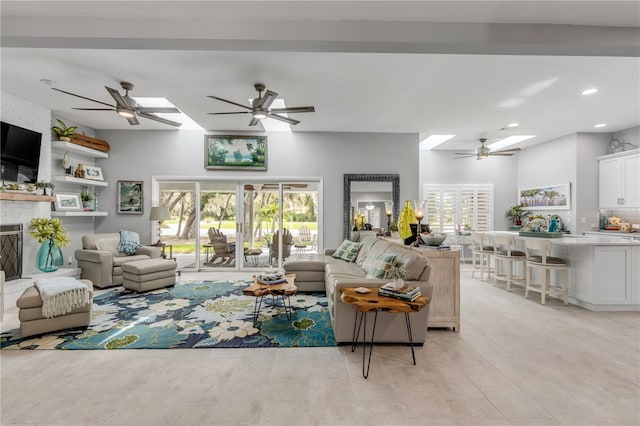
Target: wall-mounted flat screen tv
19	153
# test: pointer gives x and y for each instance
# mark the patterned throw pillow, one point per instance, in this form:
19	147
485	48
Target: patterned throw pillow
348	250
129	242
380	265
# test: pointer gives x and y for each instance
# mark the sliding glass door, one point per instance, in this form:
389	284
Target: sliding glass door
210	229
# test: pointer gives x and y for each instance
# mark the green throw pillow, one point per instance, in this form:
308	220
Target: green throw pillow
129	242
348	250
379	266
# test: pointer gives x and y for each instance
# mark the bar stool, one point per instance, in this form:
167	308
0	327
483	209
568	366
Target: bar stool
455	245
503	252
480	255
537	252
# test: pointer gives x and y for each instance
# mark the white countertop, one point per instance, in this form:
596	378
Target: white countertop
584	240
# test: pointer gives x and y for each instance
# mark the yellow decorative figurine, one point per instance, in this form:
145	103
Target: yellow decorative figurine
407	217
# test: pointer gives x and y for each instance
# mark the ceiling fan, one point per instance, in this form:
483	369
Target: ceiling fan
260	107
127	107
270	186
484	152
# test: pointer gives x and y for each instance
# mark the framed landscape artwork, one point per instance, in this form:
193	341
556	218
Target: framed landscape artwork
233	152
68	202
552	197
93	172
130	196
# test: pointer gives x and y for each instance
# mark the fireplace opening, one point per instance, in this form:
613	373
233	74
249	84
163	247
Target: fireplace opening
11	251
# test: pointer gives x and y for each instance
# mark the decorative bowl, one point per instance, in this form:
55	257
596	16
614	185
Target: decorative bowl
433	239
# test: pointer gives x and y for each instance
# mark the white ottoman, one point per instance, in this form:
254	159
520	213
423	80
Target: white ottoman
150	274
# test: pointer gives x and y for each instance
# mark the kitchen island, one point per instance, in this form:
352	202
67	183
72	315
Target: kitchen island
604	271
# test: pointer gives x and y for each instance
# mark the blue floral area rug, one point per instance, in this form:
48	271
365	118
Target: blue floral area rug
209	314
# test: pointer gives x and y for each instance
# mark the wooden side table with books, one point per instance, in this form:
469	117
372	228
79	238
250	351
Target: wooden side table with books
374	302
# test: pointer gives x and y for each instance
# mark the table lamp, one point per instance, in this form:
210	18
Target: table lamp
388	206
159	214
418	210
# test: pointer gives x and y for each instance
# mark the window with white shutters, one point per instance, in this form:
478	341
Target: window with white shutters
451	205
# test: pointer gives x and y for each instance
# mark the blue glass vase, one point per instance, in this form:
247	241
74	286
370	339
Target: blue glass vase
49	257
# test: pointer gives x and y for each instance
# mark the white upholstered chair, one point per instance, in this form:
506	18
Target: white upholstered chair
481	254
506	256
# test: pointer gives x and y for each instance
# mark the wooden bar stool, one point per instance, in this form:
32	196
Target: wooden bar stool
480	255
503	246
538	252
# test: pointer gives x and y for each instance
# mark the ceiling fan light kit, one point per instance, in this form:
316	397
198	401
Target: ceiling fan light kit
485	152
127	107
259	108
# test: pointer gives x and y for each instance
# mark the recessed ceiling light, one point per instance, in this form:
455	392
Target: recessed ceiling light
511	140
434	140
591	91
597	126
512	125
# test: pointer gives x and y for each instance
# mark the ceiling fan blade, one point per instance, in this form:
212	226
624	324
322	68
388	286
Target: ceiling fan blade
294	109
132	120
503	154
230	102
464	153
285	119
120	101
164	110
254	121
465	156
82	97
507	151
160	119
266	100
226	113
95	109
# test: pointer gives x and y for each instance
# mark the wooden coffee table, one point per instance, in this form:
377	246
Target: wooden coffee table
369	302
282	290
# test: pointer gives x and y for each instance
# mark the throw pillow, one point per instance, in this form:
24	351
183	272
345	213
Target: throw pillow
129	242
380	265
348	250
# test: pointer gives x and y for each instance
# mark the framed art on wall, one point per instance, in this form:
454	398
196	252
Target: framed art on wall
233	152
551	197
68	202
130	197
93	172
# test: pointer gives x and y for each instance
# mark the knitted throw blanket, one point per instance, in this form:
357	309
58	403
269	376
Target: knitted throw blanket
61	295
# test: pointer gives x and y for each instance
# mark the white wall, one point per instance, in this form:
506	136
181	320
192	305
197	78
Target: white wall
138	155
631	135
439	167
588	147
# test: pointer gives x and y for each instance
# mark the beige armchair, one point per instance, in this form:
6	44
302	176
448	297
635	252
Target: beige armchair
100	261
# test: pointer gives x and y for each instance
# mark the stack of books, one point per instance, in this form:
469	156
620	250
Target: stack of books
407	292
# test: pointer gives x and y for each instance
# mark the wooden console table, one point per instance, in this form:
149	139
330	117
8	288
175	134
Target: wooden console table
445	277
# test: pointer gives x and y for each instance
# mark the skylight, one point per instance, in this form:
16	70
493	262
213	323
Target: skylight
508	141
187	122
434	140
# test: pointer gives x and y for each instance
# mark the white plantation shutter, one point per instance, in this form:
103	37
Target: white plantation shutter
451	205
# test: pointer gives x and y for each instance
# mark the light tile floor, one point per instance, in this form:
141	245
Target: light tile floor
514	362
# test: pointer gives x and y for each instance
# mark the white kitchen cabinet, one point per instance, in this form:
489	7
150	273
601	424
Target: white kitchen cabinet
619	180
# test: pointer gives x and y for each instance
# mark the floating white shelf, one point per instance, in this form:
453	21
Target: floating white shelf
69	214
71	179
79	149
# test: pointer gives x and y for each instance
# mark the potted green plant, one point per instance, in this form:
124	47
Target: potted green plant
516	213
64	133
52	235
86	200
44	185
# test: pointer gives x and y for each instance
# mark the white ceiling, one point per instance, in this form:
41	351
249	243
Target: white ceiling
408	67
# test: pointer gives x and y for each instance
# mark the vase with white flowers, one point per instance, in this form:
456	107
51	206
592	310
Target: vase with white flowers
398	274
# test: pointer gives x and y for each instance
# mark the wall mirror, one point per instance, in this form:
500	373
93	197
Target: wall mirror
367	194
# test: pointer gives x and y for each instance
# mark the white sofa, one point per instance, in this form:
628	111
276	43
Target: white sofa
326	273
100	261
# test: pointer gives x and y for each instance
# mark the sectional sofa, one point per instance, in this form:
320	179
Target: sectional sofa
324	272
